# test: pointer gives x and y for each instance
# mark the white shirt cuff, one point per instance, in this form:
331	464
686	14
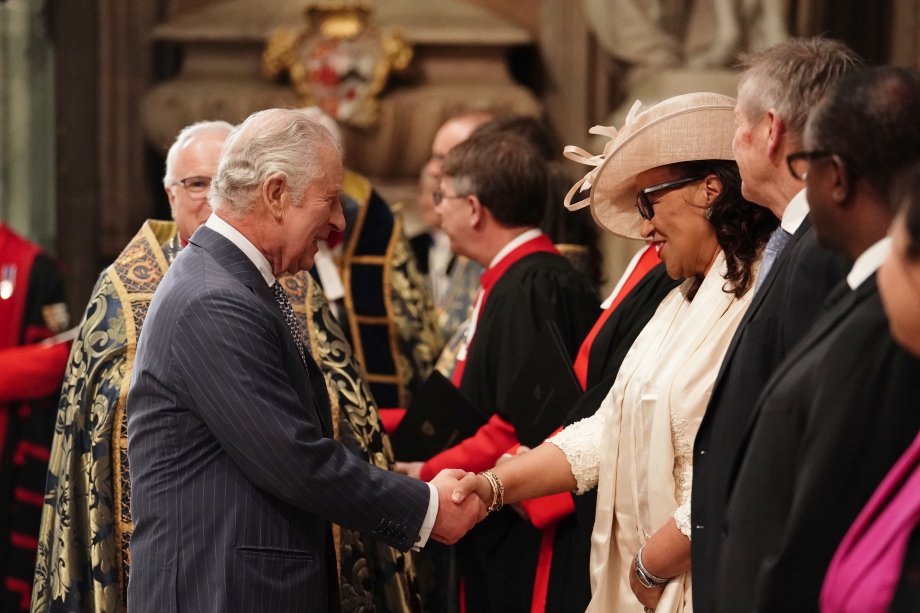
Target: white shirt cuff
430	516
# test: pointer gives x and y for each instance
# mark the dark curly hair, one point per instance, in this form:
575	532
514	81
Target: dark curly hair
742	228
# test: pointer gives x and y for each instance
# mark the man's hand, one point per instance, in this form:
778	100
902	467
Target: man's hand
411	469
454	519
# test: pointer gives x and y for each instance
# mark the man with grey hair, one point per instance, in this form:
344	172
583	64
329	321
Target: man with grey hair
842	407
234	471
190	164
778	88
83	562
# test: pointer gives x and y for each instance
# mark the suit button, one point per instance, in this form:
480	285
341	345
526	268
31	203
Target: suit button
702	452
698	527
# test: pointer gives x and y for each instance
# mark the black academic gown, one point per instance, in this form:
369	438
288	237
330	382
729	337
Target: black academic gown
497	559
833	419
780	314
569	582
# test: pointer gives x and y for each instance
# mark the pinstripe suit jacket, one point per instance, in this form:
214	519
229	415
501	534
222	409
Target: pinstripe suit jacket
234	473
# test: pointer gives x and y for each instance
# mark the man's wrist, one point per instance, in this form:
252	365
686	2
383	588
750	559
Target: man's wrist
430	517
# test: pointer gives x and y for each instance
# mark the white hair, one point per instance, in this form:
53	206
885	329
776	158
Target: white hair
274	141
321	117
188	133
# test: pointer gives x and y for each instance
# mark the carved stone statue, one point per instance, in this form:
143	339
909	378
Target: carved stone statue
673	47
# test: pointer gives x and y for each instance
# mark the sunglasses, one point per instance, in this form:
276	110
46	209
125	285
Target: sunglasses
644	203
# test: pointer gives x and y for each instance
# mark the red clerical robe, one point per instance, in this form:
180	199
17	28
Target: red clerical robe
531	285
31	309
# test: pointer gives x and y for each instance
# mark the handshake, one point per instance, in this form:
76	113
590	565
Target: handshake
458	512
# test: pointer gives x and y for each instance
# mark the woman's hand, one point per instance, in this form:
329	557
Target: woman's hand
473	484
648	596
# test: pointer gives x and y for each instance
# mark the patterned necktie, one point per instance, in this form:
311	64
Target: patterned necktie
774	247
293	325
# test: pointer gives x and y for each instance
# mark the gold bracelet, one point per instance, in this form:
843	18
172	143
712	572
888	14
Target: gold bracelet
498	490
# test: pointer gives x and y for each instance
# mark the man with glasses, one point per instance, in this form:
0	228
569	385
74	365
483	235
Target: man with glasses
491	200
778	89
190	164
842	406
83	560
107	340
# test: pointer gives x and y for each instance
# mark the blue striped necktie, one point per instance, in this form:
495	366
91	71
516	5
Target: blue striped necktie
775	246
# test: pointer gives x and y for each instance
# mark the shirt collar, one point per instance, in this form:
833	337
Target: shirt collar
867	263
513	244
244	244
795	213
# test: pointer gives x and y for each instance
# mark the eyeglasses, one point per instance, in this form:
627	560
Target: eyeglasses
197	187
438	196
800	162
644	204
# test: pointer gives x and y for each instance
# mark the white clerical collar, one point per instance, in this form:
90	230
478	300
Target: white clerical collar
514	243
245	245
867	263
795	213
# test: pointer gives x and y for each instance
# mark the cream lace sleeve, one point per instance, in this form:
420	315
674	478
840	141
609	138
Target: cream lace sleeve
581	444
683	474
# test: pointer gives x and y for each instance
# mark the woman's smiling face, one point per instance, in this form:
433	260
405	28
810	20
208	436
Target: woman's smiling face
679	229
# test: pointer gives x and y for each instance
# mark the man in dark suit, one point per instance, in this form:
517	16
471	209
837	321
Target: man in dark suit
842	406
778	88
235	475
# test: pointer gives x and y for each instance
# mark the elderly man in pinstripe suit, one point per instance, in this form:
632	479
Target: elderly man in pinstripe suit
234	472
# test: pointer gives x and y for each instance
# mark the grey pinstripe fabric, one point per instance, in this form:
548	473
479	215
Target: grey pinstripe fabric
233	471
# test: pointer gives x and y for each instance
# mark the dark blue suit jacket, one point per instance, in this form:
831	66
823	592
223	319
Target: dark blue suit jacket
780	314
234	472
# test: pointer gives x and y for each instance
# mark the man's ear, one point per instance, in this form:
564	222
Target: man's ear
776	132
843	184
272	193
478	211
170	194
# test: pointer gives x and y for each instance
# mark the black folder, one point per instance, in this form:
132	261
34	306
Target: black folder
544	390
439	418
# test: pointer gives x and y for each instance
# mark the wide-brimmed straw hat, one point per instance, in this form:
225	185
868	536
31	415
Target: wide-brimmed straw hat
684	128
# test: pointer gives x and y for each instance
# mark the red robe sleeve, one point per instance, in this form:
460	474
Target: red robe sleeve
477	453
32	371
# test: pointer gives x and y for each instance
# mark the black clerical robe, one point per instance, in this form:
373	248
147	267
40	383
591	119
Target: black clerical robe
498	558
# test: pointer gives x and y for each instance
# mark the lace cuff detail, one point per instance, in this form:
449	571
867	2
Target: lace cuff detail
682	519
581	443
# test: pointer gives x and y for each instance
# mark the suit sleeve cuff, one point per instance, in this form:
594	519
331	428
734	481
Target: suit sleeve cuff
430	516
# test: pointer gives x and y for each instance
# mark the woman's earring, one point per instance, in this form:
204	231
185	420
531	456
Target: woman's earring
708	213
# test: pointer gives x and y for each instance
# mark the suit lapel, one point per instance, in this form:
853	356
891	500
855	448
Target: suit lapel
779	267
827	323
238	264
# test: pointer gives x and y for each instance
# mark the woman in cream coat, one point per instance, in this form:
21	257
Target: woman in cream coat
667	177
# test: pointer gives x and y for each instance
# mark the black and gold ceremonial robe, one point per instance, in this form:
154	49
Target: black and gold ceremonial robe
83	555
